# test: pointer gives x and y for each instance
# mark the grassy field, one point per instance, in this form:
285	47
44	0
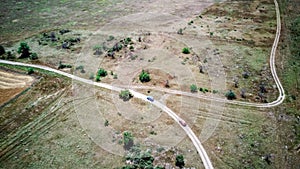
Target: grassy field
60	123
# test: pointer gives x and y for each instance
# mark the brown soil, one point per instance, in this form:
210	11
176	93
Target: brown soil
11	84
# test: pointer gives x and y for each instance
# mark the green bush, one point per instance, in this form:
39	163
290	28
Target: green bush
193	88
97	78
125	95
101	72
33	56
186	50
144	77
179	161
24	50
230	95
2	50
30	71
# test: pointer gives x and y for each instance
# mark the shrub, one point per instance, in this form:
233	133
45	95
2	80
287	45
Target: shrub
186	50
106	123
91	76
230	95
97	78
127	140
193	88
179	161
131	47
2	50
144	77
180	31
101	72
30	71
125	95
24	50
33	56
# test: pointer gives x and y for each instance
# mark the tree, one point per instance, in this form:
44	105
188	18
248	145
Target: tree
193	88
24	50
144	77
101	72
125	95
186	50
2	50
179	161
230	95
128	140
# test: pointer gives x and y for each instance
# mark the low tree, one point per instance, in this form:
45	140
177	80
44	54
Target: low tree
186	50
144	77
179	161
230	95
2	50
193	88
24	50
125	95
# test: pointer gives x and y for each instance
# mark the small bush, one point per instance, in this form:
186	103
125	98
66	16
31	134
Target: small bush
97	78
180	31
30	71
106	123
125	95
193	88
230	95
186	50
33	56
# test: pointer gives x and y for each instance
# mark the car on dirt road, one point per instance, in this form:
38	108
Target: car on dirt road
182	123
150	98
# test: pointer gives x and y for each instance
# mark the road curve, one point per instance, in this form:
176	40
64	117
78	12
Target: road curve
203	155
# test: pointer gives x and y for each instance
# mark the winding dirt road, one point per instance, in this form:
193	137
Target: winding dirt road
204	157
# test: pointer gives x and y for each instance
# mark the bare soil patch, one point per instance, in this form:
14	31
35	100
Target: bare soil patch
11	84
